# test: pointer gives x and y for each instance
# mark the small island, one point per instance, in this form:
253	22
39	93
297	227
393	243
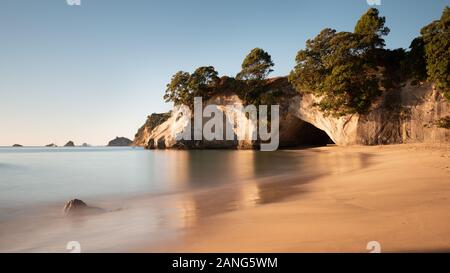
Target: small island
17	145
70	144
119	141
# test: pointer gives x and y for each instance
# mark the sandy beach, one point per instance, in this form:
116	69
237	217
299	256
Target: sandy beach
400	199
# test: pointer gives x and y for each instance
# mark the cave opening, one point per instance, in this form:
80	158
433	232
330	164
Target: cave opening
299	133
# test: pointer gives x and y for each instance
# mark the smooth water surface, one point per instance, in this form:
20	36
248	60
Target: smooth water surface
35	175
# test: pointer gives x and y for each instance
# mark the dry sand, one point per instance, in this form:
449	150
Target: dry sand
400	199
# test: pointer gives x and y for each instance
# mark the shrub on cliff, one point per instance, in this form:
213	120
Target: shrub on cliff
443	122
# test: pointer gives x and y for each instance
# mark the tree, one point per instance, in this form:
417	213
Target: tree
178	90
257	65
370	27
341	68
203	81
333	67
436	37
416	61
183	86
310	71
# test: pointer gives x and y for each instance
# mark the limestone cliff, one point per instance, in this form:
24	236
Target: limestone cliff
398	116
143	134
407	115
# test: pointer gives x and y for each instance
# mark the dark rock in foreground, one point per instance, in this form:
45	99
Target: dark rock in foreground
120	141
74	205
78	207
17	145
70	144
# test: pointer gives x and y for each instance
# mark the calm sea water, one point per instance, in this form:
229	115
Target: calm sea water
149	197
37	175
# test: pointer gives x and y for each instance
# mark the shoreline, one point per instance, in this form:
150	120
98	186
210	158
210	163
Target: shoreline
392	194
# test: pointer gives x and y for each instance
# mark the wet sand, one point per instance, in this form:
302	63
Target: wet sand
401	199
397	195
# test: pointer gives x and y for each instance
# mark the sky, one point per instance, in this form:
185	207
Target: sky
92	72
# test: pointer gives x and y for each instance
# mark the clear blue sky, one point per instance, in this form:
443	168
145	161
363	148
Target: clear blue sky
92	72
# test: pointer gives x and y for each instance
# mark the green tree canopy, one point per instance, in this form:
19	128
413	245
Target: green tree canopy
436	37
416	61
371	29
183	86
178	91
257	65
341	67
333	68
203	81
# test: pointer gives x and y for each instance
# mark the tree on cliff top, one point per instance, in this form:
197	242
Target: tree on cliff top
183	86
257	65
203	81
178	90
416	61
370	27
436	37
340	67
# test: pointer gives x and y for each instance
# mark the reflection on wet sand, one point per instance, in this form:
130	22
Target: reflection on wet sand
272	185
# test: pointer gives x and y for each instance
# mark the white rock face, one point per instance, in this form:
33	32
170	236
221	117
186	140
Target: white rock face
423	107
170	133
343	130
407	115
143	134
404	116
165	135
233	110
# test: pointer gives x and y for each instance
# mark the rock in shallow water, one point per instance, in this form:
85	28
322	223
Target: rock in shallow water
77	206
74	205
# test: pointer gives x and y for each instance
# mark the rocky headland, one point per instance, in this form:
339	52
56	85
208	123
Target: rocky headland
410	114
